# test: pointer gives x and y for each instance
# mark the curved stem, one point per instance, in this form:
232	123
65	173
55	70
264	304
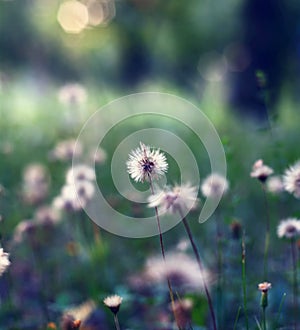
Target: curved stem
163	252
197	255
116	322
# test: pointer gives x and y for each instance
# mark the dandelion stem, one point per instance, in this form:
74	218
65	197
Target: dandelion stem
116	322
244	281
163	251
295	281
280	308
267	237
197	255
220	272
237	318
264	319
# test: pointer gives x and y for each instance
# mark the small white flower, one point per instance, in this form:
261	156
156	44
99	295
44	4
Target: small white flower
288	228
66	149
4	261
215	185
177	199
145	163
291	180
113	303
275	185
264	287
80	173
261	171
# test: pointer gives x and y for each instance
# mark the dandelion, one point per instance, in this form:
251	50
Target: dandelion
264	288
72	94
291	180
113	303
4	261
47	214
275	185
179	198
214	186
261	171
182	271
66	149
289	228
145	164
80	173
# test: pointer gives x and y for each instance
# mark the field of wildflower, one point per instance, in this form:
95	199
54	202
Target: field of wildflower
133	196
237	270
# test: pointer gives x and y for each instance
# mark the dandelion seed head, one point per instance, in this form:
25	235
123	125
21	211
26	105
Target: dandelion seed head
288	228
215	185
178	198
275	185
113	303
261	171
144	163
66	149
80	173
4	261
291	180
264	287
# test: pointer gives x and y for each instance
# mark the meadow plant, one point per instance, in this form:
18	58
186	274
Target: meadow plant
113	303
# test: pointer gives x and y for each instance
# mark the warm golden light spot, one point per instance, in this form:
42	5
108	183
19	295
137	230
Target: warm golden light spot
73	16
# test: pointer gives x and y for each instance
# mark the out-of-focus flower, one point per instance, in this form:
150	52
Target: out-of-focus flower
113	303
65	150
261	171
182	271
289	228
145	163
47	214
80	312
215	185
72	94
80	173
99	157
35	183
4	261
291	180
236	229
264	287
68	322
275	185
177	199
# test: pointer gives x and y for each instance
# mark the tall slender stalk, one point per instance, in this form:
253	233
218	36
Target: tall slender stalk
163	251
197	255
117	324
295	281
220	272
244	281
267	237
264	318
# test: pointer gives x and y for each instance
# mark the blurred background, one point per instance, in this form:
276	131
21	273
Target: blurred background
60	61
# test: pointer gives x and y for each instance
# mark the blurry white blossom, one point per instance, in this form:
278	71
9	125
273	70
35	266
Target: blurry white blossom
215	185
4	261
65	150
275	184
72	94
176	199
261	171
291	180
288	228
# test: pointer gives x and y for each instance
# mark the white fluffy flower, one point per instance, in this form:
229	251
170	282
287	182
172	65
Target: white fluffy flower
79	173
275	185
177	199
215	185
4	261
144	163
289	228
291	180
261	171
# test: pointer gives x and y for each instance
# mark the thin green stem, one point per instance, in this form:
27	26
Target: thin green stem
197	255
264	318
117	324
267	237
244	281
237	317
220	273
295	281
163	251
280	308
